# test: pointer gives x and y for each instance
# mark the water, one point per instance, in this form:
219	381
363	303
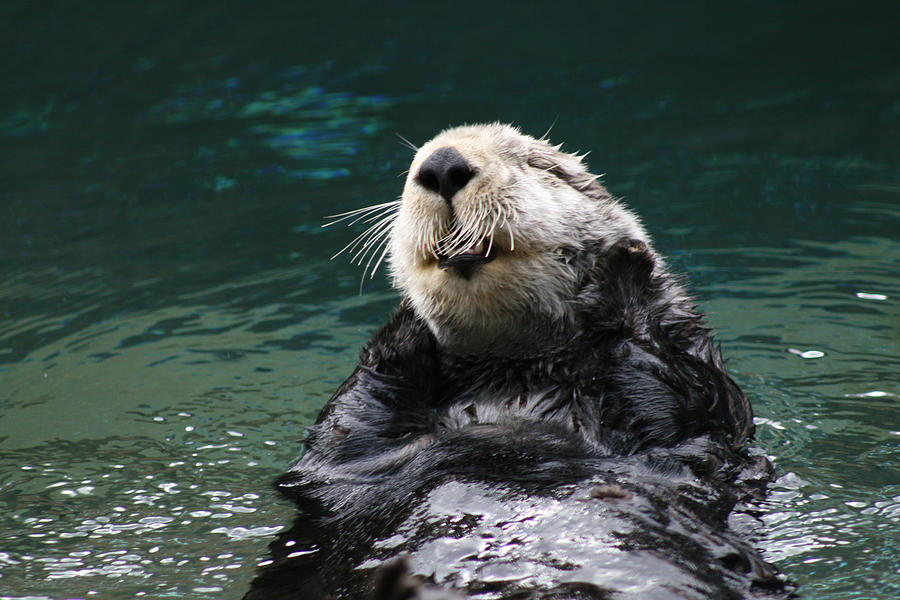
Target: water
170	321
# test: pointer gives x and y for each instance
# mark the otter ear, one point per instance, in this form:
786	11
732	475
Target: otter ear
568	168
634	259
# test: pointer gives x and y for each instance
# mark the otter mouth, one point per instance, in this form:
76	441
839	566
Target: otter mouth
466	260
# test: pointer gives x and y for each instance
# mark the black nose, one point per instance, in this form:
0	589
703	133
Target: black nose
445	172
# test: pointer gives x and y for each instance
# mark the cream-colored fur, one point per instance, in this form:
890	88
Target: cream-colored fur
528	200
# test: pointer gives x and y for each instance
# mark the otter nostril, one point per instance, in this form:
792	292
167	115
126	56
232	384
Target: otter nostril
445	172
460	176
429	179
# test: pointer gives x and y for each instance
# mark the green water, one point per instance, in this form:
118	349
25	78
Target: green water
170	320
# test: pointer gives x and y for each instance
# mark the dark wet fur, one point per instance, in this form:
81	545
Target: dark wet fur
633	424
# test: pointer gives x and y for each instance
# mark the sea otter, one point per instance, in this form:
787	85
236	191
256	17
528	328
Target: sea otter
546	415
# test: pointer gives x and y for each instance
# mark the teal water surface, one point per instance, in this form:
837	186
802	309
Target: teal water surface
170	321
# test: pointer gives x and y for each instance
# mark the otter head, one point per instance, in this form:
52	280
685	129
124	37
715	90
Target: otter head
484	242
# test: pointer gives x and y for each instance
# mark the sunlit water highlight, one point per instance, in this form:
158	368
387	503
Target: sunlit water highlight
169	323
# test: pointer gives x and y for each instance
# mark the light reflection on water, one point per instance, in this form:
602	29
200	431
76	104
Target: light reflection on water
125	512
169	325
829	419
140	453
138	480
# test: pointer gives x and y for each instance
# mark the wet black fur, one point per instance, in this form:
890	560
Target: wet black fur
633	419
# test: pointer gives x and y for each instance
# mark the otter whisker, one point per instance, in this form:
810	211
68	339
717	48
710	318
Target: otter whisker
365	235
384	250
353	243
462	239
375	217
381	245
486	223
512	240
434	238
377	231
407	143
543	138
361	212
447	238
374	251
379	248
364	209
482	223
491	227
458	240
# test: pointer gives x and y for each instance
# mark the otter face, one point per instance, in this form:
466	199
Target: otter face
483	241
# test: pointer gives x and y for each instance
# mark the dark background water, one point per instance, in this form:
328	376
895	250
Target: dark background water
170	321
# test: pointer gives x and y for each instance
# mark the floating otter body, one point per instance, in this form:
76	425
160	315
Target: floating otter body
545	416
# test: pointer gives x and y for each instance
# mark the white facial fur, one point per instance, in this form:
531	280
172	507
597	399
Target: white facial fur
531	202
